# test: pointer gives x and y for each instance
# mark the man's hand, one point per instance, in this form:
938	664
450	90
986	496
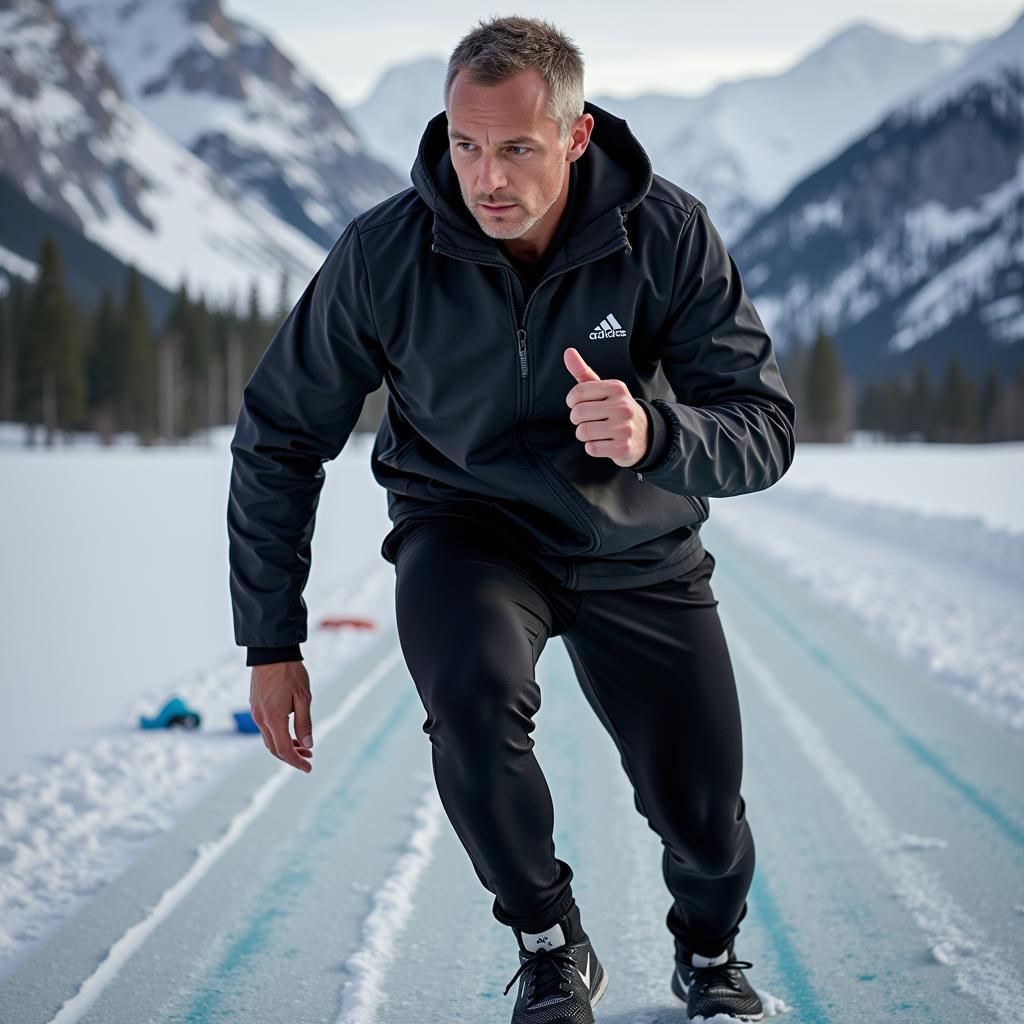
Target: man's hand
275	691
610	422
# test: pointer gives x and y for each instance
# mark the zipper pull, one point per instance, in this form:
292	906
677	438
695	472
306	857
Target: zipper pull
640	477
522	352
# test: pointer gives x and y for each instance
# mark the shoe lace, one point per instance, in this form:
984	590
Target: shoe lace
547	978
724	974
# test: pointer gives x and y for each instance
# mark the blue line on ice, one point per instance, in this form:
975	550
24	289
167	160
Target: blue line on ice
208	854
283	889
955	938
921	751
773	925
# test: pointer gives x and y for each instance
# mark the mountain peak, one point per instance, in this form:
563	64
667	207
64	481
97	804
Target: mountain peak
226	92
999	58
860	31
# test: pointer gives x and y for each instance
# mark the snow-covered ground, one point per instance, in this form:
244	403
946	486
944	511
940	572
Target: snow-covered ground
116	596
959	480
924	544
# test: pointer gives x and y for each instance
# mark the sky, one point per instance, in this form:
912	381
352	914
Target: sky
676	47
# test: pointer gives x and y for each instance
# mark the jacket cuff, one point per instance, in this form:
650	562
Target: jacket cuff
659	437
270	655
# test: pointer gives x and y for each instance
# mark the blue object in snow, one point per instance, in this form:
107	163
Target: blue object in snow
244	722
175	714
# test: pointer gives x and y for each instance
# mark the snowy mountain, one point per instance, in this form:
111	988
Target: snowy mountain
738	147
742	145
228	94
910	242
393	116
86	267
80	151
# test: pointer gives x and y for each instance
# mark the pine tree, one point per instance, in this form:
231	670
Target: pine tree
959	403
11	307
869	407
6	353
196	342
920	402
823	387
284	300
1017	406
246	343
255	336
50	387
223	322
18	299
105	368
792	366
171	376
990	392
894	404
138	399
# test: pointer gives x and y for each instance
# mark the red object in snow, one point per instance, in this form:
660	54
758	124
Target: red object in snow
339	623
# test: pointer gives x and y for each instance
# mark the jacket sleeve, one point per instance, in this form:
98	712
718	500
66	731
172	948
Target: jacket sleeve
298	409
731	429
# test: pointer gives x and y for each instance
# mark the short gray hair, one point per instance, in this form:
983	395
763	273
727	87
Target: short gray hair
500	48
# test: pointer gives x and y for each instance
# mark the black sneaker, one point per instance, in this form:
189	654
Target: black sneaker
561	977
715	985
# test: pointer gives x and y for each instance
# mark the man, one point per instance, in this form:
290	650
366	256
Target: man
573	368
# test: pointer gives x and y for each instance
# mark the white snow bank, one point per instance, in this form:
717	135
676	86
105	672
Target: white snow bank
946	593
981	481
75	822
393	903
115	584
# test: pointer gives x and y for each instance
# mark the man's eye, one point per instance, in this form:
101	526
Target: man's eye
525	149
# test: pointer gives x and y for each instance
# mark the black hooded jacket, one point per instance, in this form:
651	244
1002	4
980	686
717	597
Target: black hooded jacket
415	294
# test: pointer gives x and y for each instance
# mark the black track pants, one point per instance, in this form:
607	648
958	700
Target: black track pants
474	613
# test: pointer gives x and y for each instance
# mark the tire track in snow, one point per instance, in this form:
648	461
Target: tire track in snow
393	906
208	854
956	939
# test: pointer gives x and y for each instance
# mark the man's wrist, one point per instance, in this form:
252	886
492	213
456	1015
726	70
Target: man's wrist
271	655
659	438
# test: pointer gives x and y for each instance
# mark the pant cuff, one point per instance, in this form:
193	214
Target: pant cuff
548	915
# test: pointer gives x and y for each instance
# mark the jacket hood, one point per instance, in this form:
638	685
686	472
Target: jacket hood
614	175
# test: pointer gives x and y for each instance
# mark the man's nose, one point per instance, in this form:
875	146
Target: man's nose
491	177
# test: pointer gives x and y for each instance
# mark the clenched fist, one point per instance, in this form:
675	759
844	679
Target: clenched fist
609	421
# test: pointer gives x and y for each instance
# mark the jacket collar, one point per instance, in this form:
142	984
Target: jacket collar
614	175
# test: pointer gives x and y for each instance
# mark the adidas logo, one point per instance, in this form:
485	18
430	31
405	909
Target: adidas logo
609	327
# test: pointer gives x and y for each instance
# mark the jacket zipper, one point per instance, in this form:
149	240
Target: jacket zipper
522	329
521	332
525	401
521	335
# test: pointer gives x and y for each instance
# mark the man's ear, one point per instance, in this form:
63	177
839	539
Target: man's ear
580	135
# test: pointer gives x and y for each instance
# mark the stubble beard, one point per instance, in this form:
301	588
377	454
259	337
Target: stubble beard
502	231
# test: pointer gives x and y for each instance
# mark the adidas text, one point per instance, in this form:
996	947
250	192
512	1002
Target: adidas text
609	327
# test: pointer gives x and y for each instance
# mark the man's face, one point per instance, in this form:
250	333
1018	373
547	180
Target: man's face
506	152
